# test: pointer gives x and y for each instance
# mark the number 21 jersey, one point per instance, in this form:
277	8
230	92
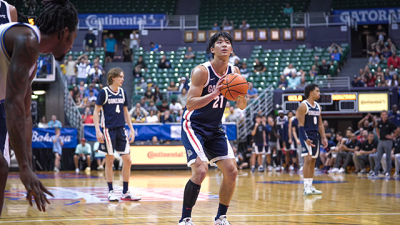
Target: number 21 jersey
112	114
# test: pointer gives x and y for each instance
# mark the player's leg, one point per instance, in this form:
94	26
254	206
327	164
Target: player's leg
397	164
294	159
76	162
57	158
3	177
253	157
260	162
89	161
287	157
379	154
388	148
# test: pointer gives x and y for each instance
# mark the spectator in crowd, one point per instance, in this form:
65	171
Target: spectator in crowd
148	96
110	45
357	82
346	153
259	144
384	130
289	70
216	27
336	51
87	117
367	148
95	74
134	41
393	82
313	72
244	25
386	54
259	66
154	47
228	25
90	40
152	106
301	73
164	106
92	98
244	70
138	116
391	45
283	83
54	123
293	81
363	135
126	54
154	141
91	88
82	153
379	72
234	116
140	64
183	84
157	94
141	110
167	118
83	69
143	104
233	57
328	130
57	149
43	123
98	156
394	61
152	118
189	53
373	59
172	86
252	93
182	98
394	115
323	68
75	92
365	124
70	69
141	84
288	9
395	156
380	33
164	63
361	73
175	107
302	84
370	80
178	117
390	72
237	63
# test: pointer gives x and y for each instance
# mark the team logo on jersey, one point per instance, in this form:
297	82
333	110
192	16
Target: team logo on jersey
3	16
189	153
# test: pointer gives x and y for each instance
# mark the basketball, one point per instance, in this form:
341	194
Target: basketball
234	87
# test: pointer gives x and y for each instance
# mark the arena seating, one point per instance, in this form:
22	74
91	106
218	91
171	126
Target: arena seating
382	64
259	14
360	4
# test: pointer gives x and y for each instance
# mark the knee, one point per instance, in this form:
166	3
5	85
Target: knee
3	167
110	160
76	157
231	173
307	159
199	174
127	161
89	158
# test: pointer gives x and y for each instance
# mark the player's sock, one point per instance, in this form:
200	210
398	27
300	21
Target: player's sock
305	181
295	165
125	187
110	186
191	193
276	161
310	181
222	209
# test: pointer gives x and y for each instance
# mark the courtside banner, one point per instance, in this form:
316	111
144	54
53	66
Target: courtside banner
43	137
158	155
367	16
169	131
120	21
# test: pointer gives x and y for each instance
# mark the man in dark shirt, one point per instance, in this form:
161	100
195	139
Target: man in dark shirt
164	63
384	130
259	144
324	68
328	130
394	116
357	82
367	148
163	107
167	118
346	152
90	40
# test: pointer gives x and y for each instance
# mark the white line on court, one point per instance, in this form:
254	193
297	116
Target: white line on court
165	217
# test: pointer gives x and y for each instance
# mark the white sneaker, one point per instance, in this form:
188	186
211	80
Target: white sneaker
112	197
291	168
76	170
301	168
278	168
341	170
222	221
270	168
315	191
260	169
333	170
387	175
186	221
56	169
87	169
129	197
100	168
396	174
307	191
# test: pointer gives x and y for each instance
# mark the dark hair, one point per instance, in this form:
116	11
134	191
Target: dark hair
214	38
57	15
371	133
351	130
22	18
309	88
258	116
339	133
151	43
384	111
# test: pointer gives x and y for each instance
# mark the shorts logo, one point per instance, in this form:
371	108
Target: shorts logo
189	153
103	147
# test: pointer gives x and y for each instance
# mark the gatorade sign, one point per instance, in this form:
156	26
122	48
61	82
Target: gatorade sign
367	16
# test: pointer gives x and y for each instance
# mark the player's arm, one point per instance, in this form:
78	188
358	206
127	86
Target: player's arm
128	120
264	137
377	133
290	131
13	13
301	117
242	102
199	78
96	119
322	132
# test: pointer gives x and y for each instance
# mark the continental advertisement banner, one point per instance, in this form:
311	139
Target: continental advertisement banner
158	155
373	102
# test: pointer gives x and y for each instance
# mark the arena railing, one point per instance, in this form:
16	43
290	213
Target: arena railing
333	82
310	19
264	102
95	23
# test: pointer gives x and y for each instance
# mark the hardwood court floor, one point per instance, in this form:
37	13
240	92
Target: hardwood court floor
260	198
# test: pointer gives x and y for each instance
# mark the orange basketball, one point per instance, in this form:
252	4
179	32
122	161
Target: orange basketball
234	87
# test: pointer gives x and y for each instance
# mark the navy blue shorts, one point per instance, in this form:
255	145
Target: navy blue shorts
259	148
207	145
3	133
115	139
307	149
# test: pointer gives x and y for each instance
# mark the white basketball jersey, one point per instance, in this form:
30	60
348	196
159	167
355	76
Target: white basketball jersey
5	56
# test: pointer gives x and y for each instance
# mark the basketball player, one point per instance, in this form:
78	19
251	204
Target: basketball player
113	105
21	44
294	140
280	122
290	151
8	13
311	129
202	133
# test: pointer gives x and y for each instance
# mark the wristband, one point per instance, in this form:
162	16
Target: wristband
302	133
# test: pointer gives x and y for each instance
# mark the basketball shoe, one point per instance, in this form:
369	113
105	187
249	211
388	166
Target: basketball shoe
307	191
129	197
186	221
222	221
315	191
112	197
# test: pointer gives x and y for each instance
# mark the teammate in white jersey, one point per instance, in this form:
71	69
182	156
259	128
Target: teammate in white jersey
21	44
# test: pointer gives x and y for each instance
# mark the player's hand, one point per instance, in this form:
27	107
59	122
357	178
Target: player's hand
298	142
100	137
218	87
388	136
290	141
256	124
265	143
325	143
132	136
310	143
34	188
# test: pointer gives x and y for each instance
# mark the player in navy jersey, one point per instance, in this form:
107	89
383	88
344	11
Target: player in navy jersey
8	13
294	140
112	103
311	130
202	133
